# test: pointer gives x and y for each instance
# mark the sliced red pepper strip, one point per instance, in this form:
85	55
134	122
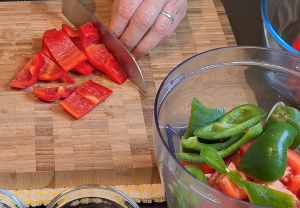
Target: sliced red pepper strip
73	34
69	31
66	54
85	98
84	68
28	75
88	35
51	71
52	93
103	60
99	91
79	103
45	50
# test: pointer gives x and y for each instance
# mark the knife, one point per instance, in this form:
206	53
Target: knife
78	14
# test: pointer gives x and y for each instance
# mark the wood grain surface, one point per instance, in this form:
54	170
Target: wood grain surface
43	146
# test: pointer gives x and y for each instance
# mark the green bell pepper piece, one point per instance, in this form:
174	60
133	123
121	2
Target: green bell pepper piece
286	114
266	196
201	116
266	159
234	122
258	194
178	193
194	144
197	172
251	134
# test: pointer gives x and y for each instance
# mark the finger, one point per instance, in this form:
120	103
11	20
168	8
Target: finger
142	20
161	30
122	12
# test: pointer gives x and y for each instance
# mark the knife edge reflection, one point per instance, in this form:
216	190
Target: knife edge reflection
78	14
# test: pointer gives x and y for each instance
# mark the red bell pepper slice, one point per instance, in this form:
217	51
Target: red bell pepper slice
73	34
88	35
45	50
103	60
69	31
84	68
52	93
85	98
51	71
66	54
28	75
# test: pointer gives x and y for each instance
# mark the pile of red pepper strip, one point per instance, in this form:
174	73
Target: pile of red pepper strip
63	51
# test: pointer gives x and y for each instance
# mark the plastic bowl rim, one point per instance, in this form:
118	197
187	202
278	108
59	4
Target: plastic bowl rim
87	186
272	31
13	197
158	109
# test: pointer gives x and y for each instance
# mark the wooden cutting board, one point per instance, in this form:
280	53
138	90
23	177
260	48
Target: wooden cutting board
43	146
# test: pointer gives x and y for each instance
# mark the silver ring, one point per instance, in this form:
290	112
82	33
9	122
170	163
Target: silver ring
168	15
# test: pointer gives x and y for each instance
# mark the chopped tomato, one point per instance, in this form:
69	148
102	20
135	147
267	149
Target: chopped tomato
85	98
286	178
296	44
293	159
213	178
217	184
294	186
51	71
66	54
230	188
28	75
244	147
234	158
203	166
52	93
88	35
103	60
298	195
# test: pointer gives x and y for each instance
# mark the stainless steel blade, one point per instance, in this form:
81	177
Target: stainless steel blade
78	14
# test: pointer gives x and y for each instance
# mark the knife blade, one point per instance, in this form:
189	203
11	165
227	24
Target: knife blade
78	14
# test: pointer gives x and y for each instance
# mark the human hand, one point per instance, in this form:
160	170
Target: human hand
140	26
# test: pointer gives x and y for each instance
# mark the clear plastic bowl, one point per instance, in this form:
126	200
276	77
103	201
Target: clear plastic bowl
281	24
8	200
224	77
92	196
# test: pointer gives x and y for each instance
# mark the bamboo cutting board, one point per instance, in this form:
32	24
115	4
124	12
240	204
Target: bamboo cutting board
43	146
